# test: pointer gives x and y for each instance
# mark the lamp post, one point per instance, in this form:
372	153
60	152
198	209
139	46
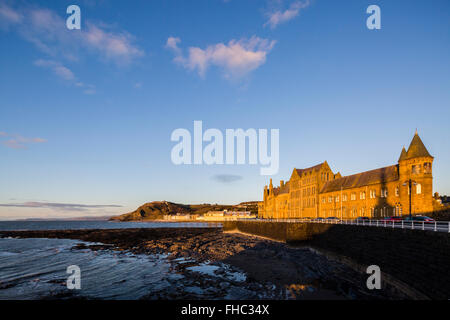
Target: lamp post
410	182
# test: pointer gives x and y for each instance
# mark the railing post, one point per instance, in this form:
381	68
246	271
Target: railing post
449	227
423	225
402	224
435	226
412	224
393	224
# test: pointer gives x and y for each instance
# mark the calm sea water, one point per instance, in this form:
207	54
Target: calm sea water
36	268
71	225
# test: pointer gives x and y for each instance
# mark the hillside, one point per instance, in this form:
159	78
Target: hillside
157	209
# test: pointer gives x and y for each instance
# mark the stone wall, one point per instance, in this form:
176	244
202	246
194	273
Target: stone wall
420	259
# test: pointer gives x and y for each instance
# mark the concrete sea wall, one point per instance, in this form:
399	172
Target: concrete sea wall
420	259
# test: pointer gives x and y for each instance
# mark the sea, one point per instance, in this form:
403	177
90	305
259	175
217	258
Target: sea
36	269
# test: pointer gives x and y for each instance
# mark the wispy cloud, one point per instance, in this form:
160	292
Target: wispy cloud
278	17
227	178
19	142
118	47
59	206
9	16
237	58
65	73
57	68
47	31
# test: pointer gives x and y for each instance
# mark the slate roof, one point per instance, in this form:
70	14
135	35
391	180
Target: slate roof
314	168
381	175
402	155
417	149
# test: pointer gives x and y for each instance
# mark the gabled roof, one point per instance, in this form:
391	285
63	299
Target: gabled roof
417	149
314	168
381	175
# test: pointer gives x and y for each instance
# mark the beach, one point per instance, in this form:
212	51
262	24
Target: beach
212	264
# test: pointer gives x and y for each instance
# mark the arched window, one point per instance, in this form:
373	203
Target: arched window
418	188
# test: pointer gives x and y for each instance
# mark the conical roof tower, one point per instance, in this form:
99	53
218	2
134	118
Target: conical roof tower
416	149
402	155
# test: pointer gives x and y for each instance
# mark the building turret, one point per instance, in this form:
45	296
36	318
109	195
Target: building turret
402	155
415	165
271	187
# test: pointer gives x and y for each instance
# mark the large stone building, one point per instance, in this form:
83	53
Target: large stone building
318	192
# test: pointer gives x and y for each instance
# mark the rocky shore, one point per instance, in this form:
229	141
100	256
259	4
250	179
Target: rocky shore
216	265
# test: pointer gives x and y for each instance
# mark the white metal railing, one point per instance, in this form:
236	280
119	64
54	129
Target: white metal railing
441	226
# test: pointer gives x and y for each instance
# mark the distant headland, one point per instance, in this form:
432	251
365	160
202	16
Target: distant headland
165	210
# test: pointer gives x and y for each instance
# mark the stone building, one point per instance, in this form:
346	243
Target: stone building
319	192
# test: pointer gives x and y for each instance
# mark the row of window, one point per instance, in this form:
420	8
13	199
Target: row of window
296	184
355	212
372	194
305	192
416	168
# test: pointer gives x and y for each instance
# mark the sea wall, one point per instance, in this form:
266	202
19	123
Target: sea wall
420	259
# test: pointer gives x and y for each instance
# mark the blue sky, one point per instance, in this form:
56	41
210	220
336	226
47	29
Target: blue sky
86	115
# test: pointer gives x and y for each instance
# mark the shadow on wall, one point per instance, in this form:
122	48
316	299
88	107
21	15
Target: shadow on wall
382	209
417	258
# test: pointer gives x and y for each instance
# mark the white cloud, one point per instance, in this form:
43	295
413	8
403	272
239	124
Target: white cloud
277	17
19	142
59	206
172	43
8	15
65	73
47	31
114	46
57	68
236	59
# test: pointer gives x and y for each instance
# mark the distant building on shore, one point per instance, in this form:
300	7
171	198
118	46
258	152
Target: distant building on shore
319	192
226	215
180	216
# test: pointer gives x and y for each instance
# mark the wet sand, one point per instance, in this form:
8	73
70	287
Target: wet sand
217	265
